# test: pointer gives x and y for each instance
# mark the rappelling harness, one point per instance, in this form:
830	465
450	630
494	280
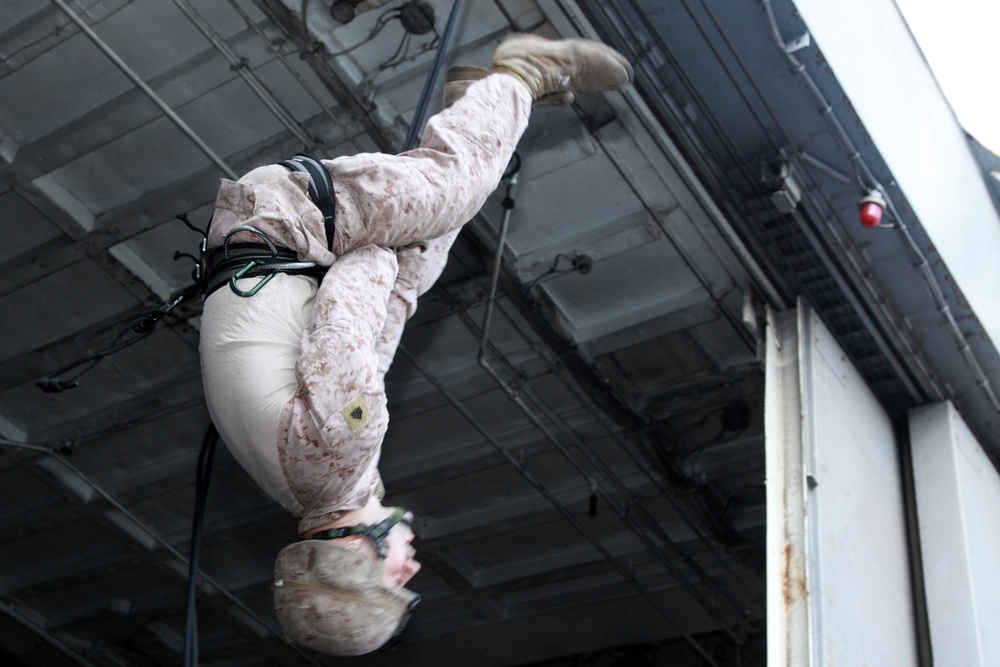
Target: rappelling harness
234	261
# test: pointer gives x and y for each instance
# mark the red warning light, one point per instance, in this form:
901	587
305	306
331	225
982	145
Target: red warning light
872	206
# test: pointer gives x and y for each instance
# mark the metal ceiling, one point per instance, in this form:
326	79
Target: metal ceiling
757	109
587	474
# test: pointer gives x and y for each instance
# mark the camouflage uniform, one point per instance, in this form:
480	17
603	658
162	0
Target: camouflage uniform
294	375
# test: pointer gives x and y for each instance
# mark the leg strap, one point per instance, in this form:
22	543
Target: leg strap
320	190
233	261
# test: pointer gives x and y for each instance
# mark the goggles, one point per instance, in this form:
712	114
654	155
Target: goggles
376	533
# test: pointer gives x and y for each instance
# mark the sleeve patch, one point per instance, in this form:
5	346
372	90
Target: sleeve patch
356	413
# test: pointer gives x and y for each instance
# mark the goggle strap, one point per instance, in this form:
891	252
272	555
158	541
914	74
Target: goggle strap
375	533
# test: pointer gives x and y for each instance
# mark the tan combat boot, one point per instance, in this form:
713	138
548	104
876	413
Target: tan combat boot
557	67
458	79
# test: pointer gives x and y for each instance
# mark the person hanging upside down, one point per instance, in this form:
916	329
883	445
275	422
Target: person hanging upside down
294	371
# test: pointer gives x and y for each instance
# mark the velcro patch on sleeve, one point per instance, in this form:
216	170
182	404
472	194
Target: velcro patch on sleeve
356	413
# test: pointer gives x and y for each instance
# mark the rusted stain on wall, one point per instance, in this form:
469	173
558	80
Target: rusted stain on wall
793	581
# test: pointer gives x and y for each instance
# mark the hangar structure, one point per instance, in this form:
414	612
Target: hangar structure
682	305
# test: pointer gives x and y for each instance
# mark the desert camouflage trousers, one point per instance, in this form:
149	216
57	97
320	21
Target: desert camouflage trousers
294	376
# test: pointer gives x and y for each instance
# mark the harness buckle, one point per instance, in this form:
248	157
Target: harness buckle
242	272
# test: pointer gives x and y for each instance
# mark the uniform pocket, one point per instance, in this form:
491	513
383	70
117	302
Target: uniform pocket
234	206
235	197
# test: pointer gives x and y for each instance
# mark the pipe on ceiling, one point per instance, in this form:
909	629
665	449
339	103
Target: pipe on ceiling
50	638
144	87
624	571
206	579
339	122
240	66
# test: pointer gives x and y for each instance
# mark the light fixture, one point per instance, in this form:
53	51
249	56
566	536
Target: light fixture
780	179
345	11
872	205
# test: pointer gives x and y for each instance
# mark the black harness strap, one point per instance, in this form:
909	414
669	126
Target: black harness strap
253	260
320	189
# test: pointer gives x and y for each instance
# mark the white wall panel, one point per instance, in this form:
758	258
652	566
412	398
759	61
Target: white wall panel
958	505
837	548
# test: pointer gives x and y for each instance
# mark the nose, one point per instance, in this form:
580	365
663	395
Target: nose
406	572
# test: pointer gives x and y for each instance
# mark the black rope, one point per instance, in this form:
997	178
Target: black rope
190	225
142	327
513	167
425	97
203	476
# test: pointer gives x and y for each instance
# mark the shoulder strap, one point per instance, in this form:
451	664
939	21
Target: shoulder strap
320	189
